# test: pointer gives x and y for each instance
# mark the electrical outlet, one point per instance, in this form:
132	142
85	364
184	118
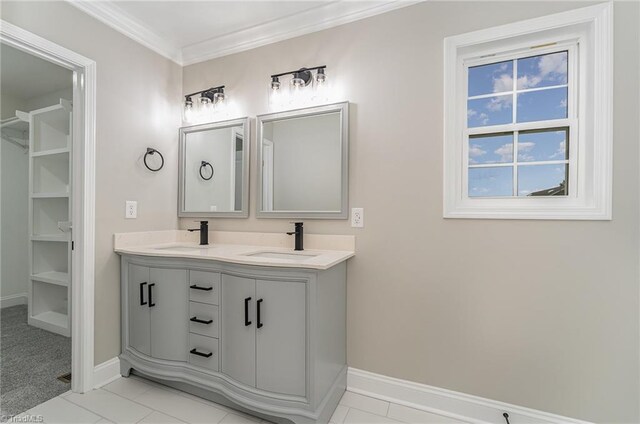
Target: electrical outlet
357	217
131	209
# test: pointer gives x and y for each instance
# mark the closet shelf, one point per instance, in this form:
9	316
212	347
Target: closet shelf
52	277
50	237
53	318
18	122
49	195
50	152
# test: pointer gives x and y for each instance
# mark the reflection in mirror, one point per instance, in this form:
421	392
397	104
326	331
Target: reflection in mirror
214	169
304	163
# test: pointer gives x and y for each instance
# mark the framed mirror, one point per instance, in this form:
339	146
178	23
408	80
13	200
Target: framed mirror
303	158
214	170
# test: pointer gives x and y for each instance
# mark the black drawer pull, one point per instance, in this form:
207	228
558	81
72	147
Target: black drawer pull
201	321
204	355
246	312
259	324
197	287
142	301
151	304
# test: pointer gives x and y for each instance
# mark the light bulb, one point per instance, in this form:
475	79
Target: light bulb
320	92
321	77
188	110
275	84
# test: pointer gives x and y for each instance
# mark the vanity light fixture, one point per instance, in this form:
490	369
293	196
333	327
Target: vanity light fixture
293	93
209	98
301	77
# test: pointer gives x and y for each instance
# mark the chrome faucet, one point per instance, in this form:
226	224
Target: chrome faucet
299	235
204	232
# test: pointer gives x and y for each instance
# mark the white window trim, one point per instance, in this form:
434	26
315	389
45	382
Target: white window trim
592	27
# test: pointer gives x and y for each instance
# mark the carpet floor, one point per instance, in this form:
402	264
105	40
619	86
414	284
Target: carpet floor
31	360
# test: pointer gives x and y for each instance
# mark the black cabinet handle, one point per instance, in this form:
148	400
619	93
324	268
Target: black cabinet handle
201	321
151	304
246	312
204	355
197	287
142	302
259	324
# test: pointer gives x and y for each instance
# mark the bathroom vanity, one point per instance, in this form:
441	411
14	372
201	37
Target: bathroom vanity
255	326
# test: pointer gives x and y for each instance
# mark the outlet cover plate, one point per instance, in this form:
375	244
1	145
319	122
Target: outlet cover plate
131	209
357	217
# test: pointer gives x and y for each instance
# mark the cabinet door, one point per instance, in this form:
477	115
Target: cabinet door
281	337
168	303
138	309
238	329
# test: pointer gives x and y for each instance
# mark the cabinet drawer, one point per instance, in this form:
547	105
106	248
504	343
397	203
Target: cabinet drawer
204	287
203	351
203	312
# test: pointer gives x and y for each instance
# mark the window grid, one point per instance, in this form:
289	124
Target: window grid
516	163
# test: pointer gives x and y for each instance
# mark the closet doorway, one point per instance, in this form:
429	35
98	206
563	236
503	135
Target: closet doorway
36	201
47	220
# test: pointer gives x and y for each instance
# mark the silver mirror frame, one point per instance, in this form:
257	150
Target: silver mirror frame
244	213
343	213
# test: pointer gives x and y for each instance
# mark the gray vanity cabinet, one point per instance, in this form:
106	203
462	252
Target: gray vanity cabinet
154	313
270	341
264	333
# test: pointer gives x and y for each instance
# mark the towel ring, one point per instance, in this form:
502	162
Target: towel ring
151	151
204	164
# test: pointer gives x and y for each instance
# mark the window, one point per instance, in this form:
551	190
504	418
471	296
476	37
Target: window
528	119
519	124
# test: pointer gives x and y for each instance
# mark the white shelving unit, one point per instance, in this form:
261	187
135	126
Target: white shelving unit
50	205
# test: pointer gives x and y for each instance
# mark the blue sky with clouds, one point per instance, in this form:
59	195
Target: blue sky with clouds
495	84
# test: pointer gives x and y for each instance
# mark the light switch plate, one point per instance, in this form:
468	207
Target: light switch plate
357	217
131	209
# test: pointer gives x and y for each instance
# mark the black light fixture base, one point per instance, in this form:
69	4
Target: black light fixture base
303	74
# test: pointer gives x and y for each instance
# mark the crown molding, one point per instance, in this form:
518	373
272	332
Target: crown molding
331	14
327	16
113	16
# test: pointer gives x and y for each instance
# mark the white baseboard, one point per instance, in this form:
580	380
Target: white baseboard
13	300
106	372
456	405
445	402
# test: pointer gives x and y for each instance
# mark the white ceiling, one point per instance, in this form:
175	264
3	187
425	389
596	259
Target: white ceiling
24	77
193	31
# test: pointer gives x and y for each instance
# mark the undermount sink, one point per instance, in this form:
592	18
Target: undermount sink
282	255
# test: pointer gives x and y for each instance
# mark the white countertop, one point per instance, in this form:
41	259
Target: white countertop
180	244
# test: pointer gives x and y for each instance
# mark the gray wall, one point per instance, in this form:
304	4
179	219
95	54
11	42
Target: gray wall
14	220
138	105
14	188
537	313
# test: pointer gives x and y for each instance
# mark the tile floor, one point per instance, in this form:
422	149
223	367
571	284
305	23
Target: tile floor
136	400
